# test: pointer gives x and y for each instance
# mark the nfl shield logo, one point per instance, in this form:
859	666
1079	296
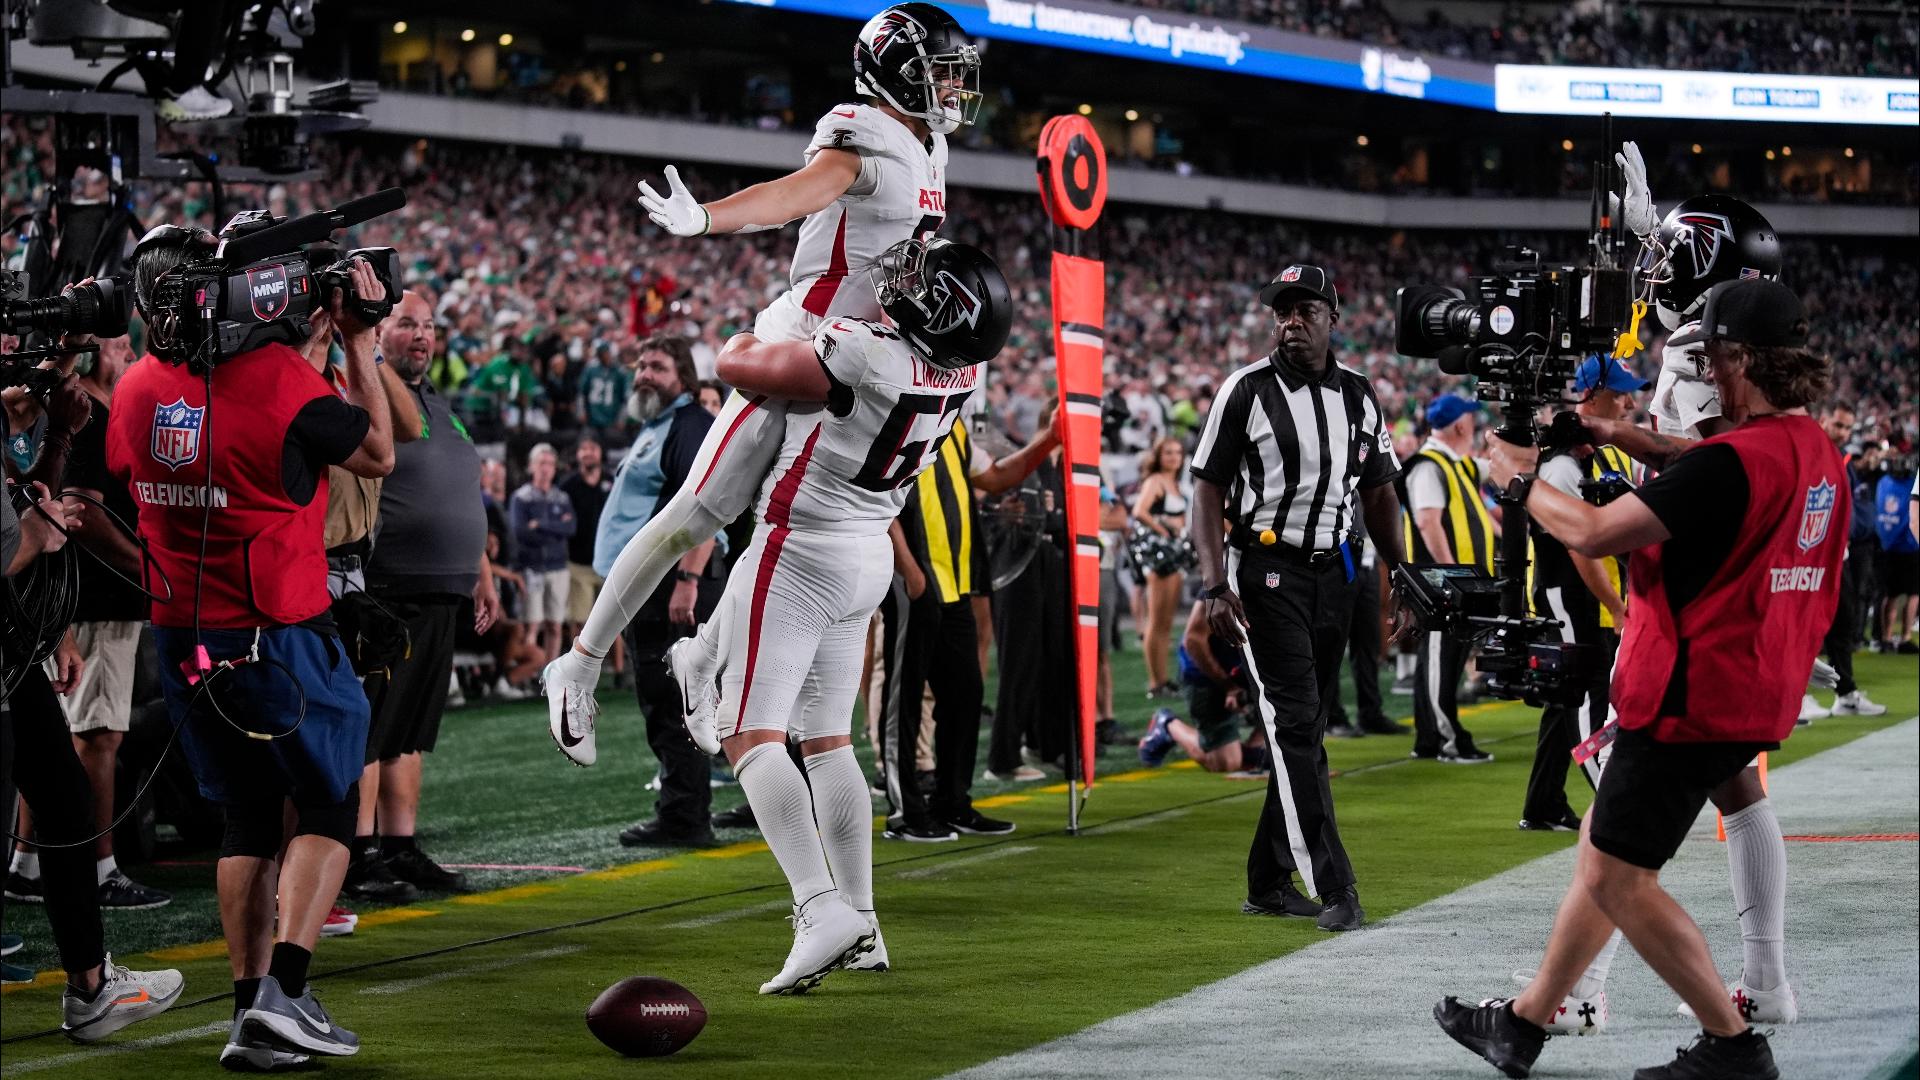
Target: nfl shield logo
1291	273
1816	515
176	433
1273	580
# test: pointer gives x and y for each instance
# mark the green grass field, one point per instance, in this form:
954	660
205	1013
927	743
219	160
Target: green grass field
996	945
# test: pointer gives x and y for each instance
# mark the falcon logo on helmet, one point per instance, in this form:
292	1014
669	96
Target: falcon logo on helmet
1702	242
953	305
915	58
949	301
1704	236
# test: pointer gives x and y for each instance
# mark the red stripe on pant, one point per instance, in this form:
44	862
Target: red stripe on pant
779	512
752	404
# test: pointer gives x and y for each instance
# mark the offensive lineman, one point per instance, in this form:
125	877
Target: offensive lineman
820	562
875	175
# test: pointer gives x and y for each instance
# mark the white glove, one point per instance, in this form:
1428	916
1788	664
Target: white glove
1636	207
678	212
1823	675
1684	395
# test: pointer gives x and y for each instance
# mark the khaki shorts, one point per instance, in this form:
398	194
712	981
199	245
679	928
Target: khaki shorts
103	698
582	589
546	599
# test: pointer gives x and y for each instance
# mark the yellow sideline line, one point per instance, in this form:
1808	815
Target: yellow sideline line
504	896
394	915
621	873
734	851
1002	800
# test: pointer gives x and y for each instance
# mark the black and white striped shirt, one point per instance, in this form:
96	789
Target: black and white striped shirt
1292	449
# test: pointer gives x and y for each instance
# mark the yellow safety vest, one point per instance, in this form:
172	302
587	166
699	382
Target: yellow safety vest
945	494
1468	526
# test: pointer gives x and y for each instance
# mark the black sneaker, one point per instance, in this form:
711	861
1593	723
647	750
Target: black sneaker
1466	757
975	823
411	865
740	817
651	833
1566	822
1380	725
1745	1056
1343	731
122	892
27	890
1508	1042
1108	732
369	878
929	833
1285	900
1342	911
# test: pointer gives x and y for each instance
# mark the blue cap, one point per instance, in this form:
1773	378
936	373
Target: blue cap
1607	371
1449	407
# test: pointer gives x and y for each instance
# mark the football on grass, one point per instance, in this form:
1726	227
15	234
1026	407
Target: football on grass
646	1017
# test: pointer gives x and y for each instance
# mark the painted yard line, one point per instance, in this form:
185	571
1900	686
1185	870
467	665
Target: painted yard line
404	986
511	866
507	896
44	978
965	860
93	1054
734	851
395	915
728	916
182	954
621	873
1147	821
1002	800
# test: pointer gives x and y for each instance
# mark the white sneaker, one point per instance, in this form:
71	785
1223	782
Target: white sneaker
197	103
1025	774
876	958
248	1052
571	709
1811	710
1576	1015
506	691
456	697
827	935
125	997
1857	704
1775	1006
698	700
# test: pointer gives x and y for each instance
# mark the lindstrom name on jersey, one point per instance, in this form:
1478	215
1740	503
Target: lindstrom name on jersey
901	192
847	469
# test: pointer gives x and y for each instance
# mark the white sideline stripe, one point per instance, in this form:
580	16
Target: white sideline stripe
965	860
728	916
403	986
1148	821
96	1052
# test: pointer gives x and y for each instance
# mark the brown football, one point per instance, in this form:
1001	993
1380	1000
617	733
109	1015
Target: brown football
645	1016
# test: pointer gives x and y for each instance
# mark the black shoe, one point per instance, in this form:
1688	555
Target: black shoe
1108	732
1567	821
1715	1057
27	890
125	894
1380	725
1508	1042
1285	900
740	817
1466	757
651	833
1424	755
1343	731
1342	911
975	823
1908	647
369	878
930	833
411	865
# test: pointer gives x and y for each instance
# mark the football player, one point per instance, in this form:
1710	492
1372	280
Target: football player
821	560
875	175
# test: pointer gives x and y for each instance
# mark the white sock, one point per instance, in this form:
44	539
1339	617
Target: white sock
1757	860
26	863
844	809
1594	979
104	868
1403	665
673	531
783	811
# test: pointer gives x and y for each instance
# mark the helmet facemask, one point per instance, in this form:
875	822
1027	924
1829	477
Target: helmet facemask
949	88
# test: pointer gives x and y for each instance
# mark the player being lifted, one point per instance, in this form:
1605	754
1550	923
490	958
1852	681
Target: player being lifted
820	562
875	175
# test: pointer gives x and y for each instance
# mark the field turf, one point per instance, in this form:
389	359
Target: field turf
997	945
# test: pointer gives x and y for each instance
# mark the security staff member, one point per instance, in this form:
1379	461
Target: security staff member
1737	548
228	470
1293	443
1447	522
1588	596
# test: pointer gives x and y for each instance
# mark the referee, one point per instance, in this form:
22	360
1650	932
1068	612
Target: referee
1291	441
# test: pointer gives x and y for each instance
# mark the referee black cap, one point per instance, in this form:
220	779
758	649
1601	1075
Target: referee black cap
1300	277
1752	311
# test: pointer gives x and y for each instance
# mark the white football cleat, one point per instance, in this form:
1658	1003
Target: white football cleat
698	700
1811	710
1576	1015
1775	1006
827	935
571	709
1857	704
875	958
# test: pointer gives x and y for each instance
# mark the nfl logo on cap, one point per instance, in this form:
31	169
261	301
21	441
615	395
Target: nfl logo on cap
1291	273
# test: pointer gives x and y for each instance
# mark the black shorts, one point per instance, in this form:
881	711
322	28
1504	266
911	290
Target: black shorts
1899	573
409	697
1652	791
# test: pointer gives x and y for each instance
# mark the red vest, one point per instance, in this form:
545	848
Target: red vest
1740	650
264	561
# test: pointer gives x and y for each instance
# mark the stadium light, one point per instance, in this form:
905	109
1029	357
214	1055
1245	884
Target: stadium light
1696	148
1085	109
400	27
506	39
467	34
1849	151
1133	114
658	57
620	65
1566	144
1771	155
1786	151
1360	140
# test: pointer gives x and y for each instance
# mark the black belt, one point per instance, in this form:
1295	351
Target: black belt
1296	555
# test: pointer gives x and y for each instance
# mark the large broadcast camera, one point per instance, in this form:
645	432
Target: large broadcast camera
1521	331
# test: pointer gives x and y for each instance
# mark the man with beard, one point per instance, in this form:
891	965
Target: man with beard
429	558
669	426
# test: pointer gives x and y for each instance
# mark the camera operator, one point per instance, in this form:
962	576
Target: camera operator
1737	549
101	997
228	467
1587	595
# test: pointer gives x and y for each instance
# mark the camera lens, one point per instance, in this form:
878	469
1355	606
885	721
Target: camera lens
99	307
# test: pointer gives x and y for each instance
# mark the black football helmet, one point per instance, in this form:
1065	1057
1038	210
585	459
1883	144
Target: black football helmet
949	301
1709	239
915	58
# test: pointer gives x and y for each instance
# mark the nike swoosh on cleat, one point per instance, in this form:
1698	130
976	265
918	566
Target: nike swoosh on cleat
849	114
567	737
320	1025
138	997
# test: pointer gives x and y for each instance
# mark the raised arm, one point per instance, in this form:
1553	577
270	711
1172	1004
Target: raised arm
814	186
784	369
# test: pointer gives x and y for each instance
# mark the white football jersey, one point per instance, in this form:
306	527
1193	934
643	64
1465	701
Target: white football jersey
1684	395
846	469
901	192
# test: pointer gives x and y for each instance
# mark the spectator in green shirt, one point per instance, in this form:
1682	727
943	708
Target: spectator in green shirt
604	386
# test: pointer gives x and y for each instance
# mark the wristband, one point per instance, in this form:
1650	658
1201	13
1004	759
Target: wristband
1214	593
685	575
